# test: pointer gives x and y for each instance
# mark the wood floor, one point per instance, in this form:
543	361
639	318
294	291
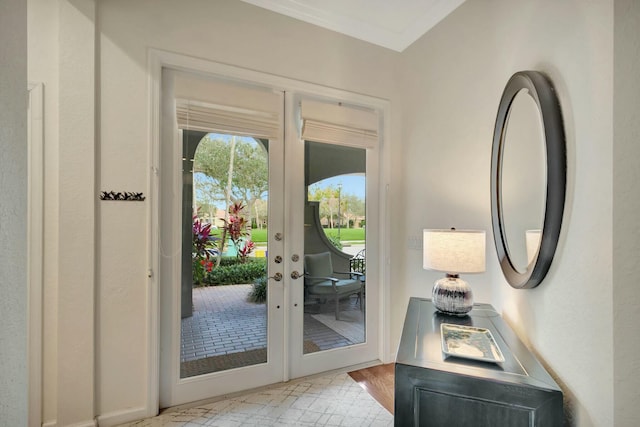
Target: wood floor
378	381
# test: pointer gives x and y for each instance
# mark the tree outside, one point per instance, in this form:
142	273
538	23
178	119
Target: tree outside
230	169
331	197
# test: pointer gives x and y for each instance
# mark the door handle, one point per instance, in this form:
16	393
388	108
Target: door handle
295	275
277	277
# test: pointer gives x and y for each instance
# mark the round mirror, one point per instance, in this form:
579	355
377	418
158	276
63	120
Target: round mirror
528	178
524	180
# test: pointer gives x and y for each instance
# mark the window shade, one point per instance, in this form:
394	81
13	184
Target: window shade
334	123
202	116
213	105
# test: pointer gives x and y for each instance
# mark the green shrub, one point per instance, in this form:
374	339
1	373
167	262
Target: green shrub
229	273
226	261
259	292
335	241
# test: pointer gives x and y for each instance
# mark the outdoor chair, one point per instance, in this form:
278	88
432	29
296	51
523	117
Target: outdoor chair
320	280
357	262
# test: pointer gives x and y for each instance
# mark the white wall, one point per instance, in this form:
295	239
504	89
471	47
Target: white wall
626	205
13	213
61	56
225	31
43	68
453	79
115	295
77	200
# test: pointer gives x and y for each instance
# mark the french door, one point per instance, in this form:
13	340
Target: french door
245	196
331	182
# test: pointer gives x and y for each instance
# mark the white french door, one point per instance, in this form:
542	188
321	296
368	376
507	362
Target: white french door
212	340
328	167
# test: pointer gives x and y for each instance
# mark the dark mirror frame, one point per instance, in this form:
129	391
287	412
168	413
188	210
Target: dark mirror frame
544	95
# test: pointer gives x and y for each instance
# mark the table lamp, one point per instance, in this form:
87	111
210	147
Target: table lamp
454	252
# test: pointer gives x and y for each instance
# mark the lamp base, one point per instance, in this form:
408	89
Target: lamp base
452	295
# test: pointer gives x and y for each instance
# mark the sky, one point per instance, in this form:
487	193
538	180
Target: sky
351	184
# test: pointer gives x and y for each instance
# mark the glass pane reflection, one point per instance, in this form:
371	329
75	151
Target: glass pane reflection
334	310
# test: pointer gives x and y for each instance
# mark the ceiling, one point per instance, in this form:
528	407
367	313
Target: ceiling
393	24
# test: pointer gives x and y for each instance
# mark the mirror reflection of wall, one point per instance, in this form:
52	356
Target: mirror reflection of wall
523	177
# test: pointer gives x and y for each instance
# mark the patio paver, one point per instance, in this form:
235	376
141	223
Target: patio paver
224	322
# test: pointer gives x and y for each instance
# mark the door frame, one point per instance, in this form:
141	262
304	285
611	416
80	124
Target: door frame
157	59
35	271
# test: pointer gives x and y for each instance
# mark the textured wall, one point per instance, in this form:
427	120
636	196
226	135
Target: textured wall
13	212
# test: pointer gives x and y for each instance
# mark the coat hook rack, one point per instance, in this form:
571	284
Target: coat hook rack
122	196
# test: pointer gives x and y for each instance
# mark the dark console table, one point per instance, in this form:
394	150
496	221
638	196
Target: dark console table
434	390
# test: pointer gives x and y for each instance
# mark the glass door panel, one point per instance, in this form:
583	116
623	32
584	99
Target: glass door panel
334	247
225	227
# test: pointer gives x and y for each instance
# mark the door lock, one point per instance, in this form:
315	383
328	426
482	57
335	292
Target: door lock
295	257
277	259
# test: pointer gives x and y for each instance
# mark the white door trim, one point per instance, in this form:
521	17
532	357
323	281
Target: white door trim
35	128
158	59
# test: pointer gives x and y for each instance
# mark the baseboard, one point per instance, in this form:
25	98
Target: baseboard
120	417
110	419
54	423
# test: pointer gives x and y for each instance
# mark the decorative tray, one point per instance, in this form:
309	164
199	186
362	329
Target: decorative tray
470	343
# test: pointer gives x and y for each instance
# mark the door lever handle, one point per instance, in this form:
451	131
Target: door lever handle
295	275
277	277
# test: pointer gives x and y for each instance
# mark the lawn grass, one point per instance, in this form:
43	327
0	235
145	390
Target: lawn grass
346	234
259	235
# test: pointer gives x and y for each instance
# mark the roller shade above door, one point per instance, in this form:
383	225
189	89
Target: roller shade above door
210	105
335	123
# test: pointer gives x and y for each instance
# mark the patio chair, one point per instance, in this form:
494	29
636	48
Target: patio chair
320	280
357	262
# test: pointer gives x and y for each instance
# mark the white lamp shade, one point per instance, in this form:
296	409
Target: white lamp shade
454	251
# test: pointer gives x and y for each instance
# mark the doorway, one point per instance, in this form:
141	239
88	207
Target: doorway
239	188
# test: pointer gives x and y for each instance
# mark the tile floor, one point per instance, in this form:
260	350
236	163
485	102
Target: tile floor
332	400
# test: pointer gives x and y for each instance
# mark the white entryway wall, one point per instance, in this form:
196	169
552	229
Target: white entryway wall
454	77
110	70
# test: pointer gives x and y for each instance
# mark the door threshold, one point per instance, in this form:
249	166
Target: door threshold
215	399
